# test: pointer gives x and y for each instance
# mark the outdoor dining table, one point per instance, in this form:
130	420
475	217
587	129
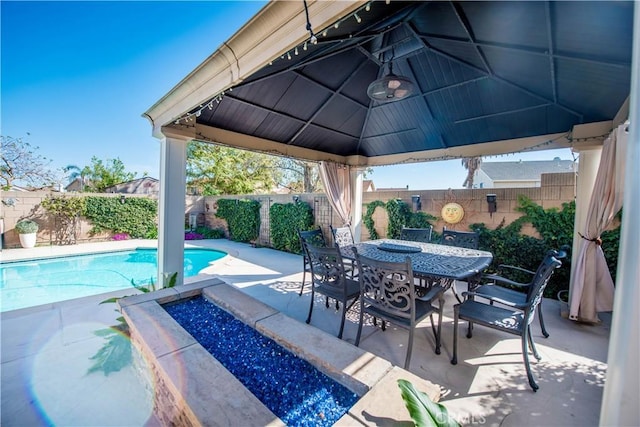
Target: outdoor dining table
429	260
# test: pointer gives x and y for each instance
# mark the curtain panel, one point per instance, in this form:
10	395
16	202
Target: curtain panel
591	288
336	179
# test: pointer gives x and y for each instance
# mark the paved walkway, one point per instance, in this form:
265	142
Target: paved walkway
45	355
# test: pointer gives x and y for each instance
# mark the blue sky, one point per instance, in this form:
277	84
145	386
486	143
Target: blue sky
77	76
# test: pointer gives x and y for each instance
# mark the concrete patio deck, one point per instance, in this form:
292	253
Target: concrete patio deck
45	354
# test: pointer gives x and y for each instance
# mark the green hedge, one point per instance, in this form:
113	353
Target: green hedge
555	227
136	216
400	215
286	220
243	218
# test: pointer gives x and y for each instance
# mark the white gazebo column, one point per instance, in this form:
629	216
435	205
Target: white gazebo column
587	171
357	178
171	206
622	387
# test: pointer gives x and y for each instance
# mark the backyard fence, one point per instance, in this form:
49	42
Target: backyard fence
555	189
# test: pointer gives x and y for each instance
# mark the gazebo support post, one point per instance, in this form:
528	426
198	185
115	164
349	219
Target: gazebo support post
357	178
622	386
171	205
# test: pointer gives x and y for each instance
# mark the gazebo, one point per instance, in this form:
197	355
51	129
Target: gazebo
367	83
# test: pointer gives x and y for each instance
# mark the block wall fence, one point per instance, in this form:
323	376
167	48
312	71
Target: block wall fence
555	189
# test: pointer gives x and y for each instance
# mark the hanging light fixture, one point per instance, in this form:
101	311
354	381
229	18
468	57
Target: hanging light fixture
390	87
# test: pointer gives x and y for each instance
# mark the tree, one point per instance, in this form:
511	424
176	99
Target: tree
19	163
215	169
471	164
299	176
75	173
102	175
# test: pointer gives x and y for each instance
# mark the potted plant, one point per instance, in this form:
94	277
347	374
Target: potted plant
27	230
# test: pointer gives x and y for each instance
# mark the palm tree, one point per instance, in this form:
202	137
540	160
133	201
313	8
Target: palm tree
75	174
471	164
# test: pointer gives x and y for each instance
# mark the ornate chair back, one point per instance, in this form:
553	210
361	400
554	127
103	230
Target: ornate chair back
416	234
388	287
462	239
342	236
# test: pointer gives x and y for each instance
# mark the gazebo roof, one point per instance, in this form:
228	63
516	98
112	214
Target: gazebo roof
490	77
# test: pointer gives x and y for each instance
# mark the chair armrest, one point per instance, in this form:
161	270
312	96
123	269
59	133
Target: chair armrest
501	279
513	267
432	293
467	295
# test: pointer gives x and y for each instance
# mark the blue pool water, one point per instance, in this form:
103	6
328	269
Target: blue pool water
42	281
290	387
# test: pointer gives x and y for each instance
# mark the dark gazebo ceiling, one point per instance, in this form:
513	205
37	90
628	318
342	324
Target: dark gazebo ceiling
484	71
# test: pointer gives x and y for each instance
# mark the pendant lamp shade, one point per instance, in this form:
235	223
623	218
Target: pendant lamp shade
390	87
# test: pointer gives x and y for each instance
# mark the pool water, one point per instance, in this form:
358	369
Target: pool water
43	281
290	387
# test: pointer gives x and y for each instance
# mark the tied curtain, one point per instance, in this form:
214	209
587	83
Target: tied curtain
591	288
336	179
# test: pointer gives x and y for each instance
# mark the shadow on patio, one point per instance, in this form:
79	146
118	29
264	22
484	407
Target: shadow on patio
489	385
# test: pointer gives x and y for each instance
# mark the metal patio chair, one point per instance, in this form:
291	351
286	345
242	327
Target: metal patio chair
510	317
461	239
387	291
518	293
329	278
343	238
416	234
313	237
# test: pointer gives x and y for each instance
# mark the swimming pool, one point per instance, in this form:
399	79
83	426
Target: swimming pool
42	281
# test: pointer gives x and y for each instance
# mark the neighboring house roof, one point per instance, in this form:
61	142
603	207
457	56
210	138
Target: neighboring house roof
135	186
75	185
367	185
524	171
17	188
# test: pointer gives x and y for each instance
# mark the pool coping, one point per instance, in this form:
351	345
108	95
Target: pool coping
193	388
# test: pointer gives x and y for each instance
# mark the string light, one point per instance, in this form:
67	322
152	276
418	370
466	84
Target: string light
190	117
313	39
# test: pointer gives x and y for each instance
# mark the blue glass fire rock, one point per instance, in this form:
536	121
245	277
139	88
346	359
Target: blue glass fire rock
290	387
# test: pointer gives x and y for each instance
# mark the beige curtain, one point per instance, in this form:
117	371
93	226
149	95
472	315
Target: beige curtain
337	185
591	287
